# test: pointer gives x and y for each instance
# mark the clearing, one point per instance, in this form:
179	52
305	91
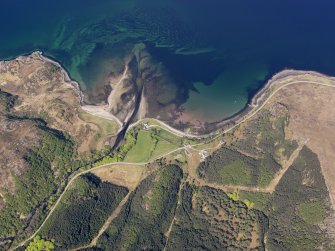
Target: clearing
122	175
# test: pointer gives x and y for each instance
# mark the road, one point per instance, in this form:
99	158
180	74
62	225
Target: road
179	203
169	128
101	112
177	133
268	189
252	113
115	214
82	173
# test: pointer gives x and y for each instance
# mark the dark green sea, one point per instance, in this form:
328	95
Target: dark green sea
220	52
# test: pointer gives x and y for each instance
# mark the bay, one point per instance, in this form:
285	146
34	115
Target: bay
220	52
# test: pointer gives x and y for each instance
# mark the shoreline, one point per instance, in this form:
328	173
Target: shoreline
66	74
259	100
213	128
264	92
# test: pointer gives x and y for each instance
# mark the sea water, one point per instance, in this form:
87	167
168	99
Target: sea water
220	52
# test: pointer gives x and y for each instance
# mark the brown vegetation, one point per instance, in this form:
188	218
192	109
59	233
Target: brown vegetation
122	175
44	92
34	89
312	115
16	137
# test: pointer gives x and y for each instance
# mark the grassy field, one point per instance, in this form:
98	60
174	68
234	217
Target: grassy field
162	147
142	150
169	137
151	144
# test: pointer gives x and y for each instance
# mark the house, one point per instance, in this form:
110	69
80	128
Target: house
145	126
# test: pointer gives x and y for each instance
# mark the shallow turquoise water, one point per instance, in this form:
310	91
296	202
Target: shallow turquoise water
206	103
220	52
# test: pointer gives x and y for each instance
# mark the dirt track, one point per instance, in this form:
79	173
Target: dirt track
316	145
228	188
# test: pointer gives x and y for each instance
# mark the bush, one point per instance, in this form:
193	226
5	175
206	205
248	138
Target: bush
39	244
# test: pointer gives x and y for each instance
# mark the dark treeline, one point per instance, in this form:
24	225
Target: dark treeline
209	220
303	183
7	101
148	214
83	211
37	183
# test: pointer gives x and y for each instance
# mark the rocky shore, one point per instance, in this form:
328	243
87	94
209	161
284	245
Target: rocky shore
67	78
278	81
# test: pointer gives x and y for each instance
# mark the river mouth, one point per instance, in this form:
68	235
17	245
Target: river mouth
215	55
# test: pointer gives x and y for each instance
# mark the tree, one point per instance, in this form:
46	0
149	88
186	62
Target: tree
39	244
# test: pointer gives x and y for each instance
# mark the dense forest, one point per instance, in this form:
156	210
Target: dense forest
229	166
167	211
148	214
299	207
209	220
50	165
82	212
253	157
47	166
